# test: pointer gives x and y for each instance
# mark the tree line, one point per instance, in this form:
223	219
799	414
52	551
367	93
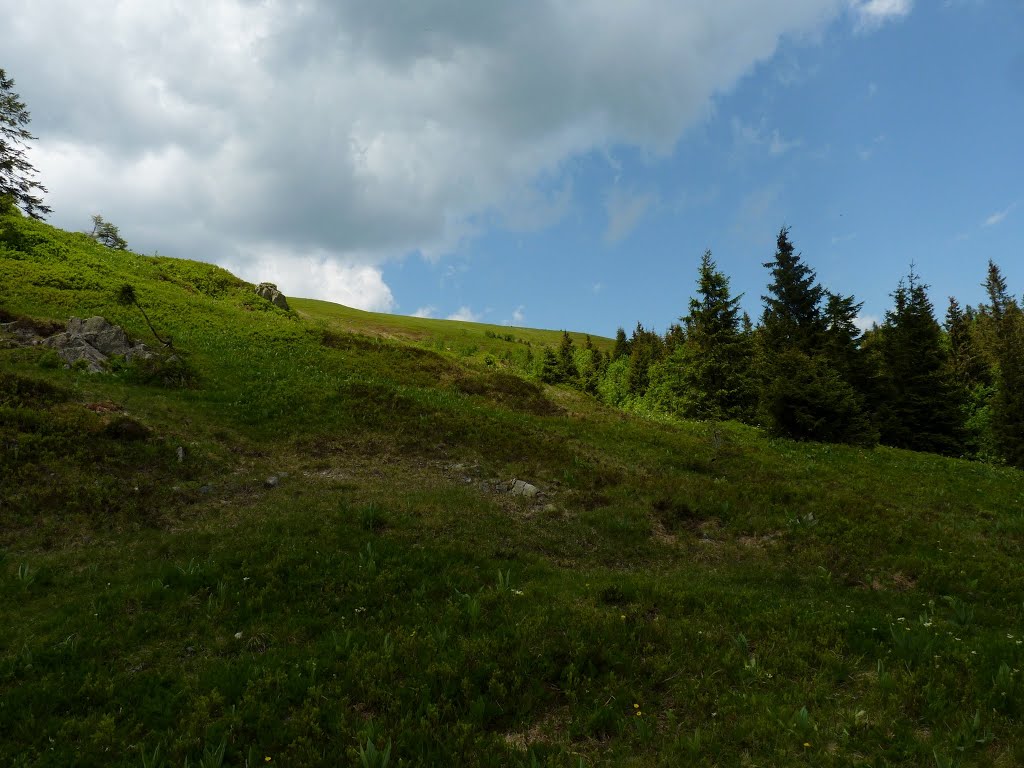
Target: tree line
806	371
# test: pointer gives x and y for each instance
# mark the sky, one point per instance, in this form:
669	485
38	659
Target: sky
543	163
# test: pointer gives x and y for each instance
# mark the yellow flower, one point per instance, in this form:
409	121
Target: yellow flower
636	706
807	743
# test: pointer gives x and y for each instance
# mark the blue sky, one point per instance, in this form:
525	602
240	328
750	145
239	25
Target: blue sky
877	147
539	163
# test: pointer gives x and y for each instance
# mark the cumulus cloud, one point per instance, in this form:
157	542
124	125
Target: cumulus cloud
428	311
466	314
318	276
518	318
348	133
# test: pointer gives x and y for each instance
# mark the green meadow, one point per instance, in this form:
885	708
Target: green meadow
294	545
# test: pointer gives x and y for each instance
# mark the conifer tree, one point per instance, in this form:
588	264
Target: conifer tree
621	348
802	393
567	370
792	309
967	359
550	371
923	408
16	182
1008	401
714	360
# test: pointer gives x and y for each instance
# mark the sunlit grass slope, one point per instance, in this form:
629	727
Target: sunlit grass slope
331	564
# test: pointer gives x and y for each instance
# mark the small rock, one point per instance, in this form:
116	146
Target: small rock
181	454
523	488
271	482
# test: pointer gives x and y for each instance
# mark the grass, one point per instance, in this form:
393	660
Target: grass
681	593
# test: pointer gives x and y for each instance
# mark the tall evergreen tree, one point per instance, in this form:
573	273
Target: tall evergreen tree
923	410
16	182
1008	401
621	348
803	394
714	360
792	316
967	359
974	372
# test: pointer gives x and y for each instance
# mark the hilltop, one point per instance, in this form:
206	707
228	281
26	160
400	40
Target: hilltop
298	542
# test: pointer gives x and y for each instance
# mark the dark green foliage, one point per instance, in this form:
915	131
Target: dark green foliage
806	399
1008	401
923	407
567	371
792	316
621	345
105	233
975	373
645	348
809	360
17	187
550	371
714	359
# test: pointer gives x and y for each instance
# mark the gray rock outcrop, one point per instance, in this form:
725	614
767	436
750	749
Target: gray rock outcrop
95	340
523	488
269	292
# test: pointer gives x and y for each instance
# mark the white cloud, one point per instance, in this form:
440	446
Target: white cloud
518	318
998	216
873	13
428	311
466	314
318	277
624	211
866	322
345	129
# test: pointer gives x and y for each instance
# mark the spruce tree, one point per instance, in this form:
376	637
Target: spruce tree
621	348
803	394
567	370
1008	401
714	359
792	309
16	183
923	408
550	370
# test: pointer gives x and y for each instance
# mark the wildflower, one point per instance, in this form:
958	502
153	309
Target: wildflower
807	743
636	706
238	635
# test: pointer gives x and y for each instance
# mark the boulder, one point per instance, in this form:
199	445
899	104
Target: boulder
94	340
522	488
269	292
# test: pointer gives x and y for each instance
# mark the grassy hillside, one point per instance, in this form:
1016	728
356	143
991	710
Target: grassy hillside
332	565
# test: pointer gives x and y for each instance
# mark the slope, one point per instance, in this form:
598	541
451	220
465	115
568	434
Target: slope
333	564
